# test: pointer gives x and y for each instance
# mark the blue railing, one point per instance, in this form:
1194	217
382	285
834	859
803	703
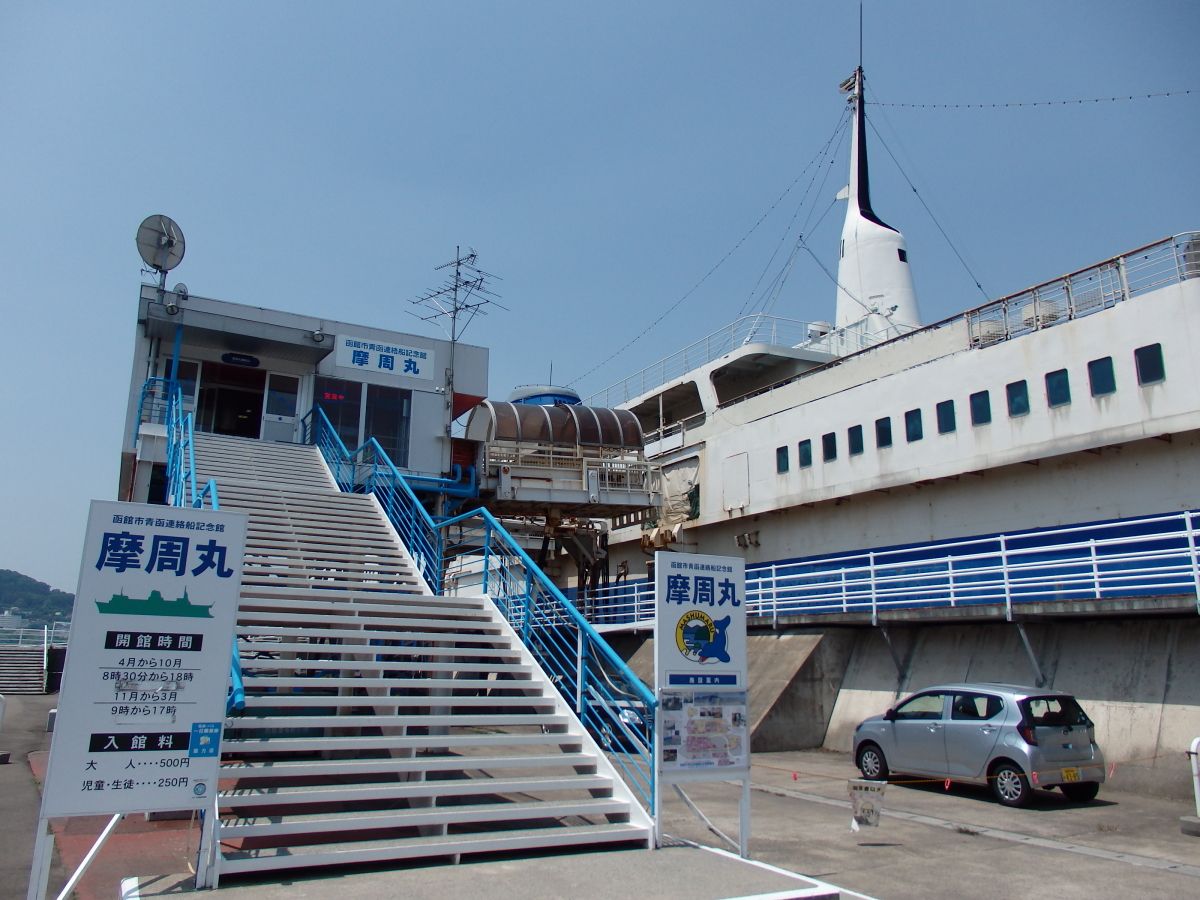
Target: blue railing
1120	559
182	491
474	552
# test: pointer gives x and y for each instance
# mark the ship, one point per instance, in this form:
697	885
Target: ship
851	463
154	605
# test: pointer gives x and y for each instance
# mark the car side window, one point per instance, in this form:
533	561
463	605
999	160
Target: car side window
975	707
923	706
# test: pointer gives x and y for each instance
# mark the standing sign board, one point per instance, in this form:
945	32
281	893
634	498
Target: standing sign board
147	671
700	673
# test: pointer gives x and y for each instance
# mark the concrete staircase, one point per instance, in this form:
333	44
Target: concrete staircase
383	722
22	670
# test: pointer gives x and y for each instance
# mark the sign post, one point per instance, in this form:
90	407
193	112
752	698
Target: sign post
700	676
143	694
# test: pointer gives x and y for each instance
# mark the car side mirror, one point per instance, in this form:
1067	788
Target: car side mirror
889	716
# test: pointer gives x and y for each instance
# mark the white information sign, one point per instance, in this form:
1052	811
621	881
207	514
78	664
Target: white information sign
700	676
143	692
383	358
700	662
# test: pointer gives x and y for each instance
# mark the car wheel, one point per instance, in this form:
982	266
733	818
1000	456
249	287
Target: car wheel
1010	785
1082	791
872	763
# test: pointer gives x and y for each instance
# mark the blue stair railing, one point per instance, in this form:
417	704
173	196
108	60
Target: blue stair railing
182	490
475	551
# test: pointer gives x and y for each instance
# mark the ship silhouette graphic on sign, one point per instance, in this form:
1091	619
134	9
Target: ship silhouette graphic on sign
153	605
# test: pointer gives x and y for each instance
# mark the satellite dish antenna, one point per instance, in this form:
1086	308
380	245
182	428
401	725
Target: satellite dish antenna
160	243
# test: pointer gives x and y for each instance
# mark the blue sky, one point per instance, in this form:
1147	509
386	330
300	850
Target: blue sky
322	158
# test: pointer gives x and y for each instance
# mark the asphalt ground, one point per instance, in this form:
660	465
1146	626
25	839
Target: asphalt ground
932	841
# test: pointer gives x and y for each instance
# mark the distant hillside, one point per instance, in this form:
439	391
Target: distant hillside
37	602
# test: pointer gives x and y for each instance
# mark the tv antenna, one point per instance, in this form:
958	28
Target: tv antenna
465	294
161	245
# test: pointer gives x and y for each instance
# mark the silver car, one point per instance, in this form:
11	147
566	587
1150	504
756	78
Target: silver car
1010	736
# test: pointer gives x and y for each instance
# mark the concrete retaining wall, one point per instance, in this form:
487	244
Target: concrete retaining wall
1138	678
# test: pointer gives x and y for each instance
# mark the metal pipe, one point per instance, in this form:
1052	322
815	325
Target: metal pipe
91	855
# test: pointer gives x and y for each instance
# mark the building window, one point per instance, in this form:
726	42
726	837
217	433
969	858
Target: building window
945	417
1018	398
883	432
1150	368
829	447
805	455
1101	377
854	439
389	420
781	459
1058	388
902	253
913	429
341	401
981	408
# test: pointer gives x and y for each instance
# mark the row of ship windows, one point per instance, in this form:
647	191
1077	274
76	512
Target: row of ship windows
1148	362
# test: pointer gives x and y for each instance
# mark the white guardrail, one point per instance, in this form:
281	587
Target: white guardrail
1116	560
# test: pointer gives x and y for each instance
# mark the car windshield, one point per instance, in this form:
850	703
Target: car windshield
1059	712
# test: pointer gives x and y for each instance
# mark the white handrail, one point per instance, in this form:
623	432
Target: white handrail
1146	556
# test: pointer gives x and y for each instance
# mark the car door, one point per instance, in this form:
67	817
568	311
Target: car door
972	731
918	738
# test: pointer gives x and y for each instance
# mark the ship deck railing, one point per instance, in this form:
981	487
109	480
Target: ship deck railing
1103	562
1081	293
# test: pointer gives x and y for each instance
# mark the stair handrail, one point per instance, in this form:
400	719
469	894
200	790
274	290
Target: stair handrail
181	446
182	491
608	697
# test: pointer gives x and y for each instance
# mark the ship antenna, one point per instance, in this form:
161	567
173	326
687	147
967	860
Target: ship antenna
860	29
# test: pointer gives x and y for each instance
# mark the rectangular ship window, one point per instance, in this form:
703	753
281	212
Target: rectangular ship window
1018	398
981	408
829	447
883	432
945	417
1150	368
854	439
781	459
1058	388
913	429
805	454
1101	377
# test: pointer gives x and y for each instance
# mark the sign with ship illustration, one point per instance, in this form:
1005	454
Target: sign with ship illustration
143	694
701	731
154	605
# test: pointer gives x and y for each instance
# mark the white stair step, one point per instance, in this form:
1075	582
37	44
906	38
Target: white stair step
279	682
286	701
236	746
301	856
378	634
267	828
372	720
246	798
340	768
318	654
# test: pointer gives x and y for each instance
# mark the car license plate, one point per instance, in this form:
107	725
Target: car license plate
1071	774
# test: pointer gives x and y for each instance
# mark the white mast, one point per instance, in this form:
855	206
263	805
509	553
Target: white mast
875	284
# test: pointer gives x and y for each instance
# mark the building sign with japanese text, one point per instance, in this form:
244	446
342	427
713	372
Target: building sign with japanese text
143	692
700	662
383	358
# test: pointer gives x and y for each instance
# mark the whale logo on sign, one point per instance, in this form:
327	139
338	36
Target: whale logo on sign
700	638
